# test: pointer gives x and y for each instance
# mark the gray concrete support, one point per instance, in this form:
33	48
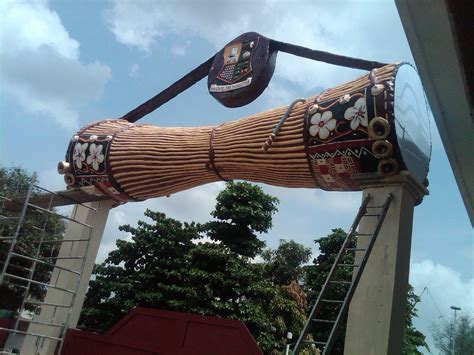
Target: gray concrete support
67	280
376	317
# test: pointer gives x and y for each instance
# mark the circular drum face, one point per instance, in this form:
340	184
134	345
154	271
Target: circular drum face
411	113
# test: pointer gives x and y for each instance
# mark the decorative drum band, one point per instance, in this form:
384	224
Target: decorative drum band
340	133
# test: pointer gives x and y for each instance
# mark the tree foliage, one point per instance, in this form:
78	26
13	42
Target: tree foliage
168	265
14	182
241	211
461	332
413	339
285	264
149	271
316	275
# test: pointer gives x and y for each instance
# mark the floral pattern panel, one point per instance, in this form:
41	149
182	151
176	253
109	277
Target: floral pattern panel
322	124
88	154
339	120
337	141
357	114
79	154
95	157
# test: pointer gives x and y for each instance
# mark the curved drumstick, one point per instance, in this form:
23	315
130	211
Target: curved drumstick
271	138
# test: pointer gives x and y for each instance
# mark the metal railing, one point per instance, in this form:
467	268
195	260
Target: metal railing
33	256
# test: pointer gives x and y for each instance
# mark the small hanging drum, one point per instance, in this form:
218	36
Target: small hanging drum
242	70
374	125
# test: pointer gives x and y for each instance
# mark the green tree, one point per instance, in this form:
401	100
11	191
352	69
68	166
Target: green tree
271	308
316	275
462	333
14	182
413	338
229	285
241	211
151	270
167	265
284	267
285	264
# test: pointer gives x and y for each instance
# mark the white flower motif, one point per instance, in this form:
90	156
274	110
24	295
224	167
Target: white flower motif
96	157
80	154
357	114
322	124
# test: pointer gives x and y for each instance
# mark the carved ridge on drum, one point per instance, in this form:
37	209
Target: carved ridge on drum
248	156
124	126
89	128
135	189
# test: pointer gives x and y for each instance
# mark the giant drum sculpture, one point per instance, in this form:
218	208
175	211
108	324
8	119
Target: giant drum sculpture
375	125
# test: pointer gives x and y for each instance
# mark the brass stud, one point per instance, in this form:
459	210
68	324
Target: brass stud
388	167
344	99
312	109
379	128
382	149
377	89
69	179
63	167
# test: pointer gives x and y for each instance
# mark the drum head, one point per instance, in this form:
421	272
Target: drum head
412	127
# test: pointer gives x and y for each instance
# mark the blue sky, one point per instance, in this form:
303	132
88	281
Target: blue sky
64	64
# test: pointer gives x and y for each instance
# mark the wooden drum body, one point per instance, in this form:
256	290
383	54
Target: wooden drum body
354	130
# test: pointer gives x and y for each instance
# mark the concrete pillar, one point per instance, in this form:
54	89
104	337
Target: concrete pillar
67	280
376	318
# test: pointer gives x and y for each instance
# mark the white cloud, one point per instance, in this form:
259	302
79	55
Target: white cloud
316	199
141	23
278	94
40	65
134	69
445	288
131	23
181	49
367	30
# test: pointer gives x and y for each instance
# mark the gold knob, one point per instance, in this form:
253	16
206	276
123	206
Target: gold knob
64	167
379	128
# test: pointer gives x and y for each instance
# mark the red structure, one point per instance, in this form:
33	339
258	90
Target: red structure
146	331
5	320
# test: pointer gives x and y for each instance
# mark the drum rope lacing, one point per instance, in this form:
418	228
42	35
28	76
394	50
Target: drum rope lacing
211	164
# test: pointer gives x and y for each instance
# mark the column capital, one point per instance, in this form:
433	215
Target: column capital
405	179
